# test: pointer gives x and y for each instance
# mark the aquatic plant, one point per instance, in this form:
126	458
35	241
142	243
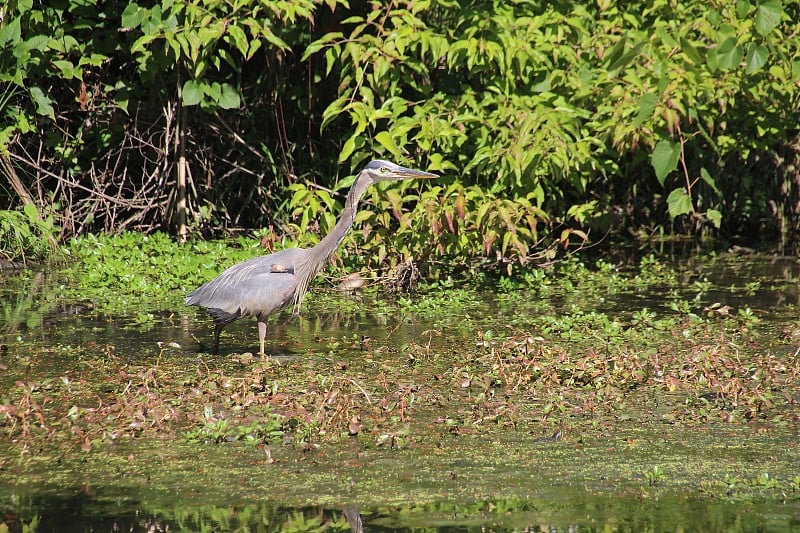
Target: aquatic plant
28	236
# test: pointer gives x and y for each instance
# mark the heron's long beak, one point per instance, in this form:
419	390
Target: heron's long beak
406	173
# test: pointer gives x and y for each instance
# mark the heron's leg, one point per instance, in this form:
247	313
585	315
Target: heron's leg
262	334
217	331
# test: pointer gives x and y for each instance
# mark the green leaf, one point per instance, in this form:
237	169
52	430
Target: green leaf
679	203
347	149
665	159
626	58
541	84
31	212
616	51
385	140
122	97
239	39
44	105
132	16
10	32
229	97
729	54
320	43
715	217
742	8
67	69
709	179
332	111
647	104
37	42
192	93
757	56
768	16
691	52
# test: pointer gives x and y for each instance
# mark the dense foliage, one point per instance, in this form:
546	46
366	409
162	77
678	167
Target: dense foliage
549	121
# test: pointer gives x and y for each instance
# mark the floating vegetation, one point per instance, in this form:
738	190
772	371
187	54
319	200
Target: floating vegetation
457	392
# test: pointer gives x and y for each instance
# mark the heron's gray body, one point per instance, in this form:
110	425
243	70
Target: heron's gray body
255	287
264	285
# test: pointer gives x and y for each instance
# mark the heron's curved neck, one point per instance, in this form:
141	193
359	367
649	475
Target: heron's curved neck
317	257
328	244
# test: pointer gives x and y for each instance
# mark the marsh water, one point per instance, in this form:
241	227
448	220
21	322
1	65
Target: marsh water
461	460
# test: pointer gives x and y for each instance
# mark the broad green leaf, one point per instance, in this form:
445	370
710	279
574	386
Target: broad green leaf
239	39
321	43
44	105
665	159
715	217
141	43
192	93
626	58
229	97
757	56
729	54
213	91
255	46
616	51
94	60
37	42
647	104
67	69
385	140
332	111
347	149
31	212
132	16
122	97
768	16
743	8
10	32
679	203
541	84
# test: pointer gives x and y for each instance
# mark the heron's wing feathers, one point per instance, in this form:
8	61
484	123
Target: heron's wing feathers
258	286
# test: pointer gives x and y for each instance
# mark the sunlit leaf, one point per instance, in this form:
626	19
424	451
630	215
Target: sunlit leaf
709	179
132	16
729	54
715	217
647	104
768	16
192	93
679	203
757	56
665	159
386	140
229	97
44	105
347	149
691	52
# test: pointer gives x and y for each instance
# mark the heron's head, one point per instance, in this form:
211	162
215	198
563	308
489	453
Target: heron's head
380	170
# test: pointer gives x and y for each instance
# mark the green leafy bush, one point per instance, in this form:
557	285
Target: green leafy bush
574	109
549	121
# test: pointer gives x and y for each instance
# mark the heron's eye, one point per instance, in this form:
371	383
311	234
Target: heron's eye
384	170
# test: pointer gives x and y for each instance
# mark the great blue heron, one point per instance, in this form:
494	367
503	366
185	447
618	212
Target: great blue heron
263	285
